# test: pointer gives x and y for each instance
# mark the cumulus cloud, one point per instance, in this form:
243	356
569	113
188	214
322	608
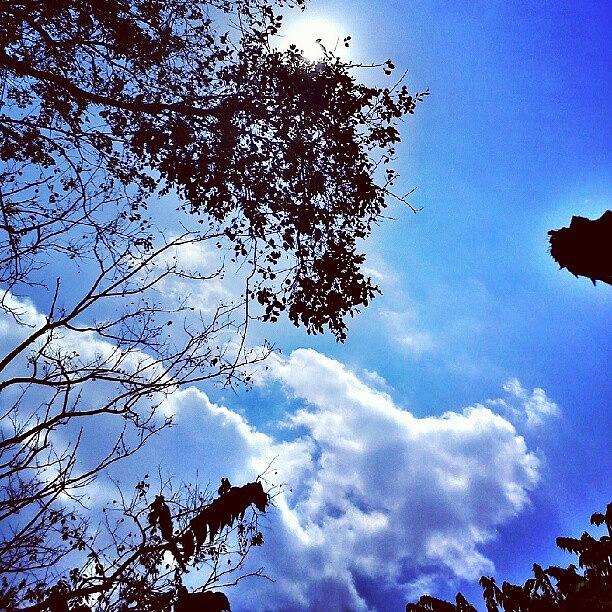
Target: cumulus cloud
371	491
18	317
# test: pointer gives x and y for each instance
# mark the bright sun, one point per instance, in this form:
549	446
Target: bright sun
305	32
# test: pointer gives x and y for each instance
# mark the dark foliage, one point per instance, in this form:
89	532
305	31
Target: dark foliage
283	154
226	509
141	578
222	512
585	247
433	604
209	601
589	591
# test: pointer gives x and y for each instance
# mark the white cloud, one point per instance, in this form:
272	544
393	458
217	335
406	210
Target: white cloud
374	378
18	317
371	489
218	284
532	409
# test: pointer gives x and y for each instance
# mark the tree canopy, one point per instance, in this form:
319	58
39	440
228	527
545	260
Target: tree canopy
584	247
193	98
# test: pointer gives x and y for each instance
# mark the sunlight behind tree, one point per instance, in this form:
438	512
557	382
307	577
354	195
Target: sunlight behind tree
305	31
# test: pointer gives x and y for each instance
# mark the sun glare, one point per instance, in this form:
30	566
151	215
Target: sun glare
309	34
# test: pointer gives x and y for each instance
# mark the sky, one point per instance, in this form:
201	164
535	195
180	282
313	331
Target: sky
465	422
512	142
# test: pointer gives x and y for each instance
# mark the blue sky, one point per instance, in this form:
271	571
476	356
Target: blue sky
465	423
512	141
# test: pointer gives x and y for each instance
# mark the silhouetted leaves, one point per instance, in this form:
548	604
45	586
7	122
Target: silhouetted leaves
585	247
146	581
208	601
226	509
284	163
160	515
572	592
222	512
282	154
598	519
427	603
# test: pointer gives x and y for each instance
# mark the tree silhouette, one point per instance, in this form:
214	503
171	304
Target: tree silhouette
133	135
282	154
128	568
572	591
584	247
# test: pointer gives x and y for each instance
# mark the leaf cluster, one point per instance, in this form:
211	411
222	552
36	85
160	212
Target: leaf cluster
128	567
571	591
280	152
583	247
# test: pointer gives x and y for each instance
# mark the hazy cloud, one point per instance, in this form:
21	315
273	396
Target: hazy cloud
402	329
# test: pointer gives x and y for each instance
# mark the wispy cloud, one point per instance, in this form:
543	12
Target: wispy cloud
530	408
403	330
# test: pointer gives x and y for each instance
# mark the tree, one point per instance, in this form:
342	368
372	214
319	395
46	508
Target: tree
584	247
590	591
137	558
280	166
279	152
